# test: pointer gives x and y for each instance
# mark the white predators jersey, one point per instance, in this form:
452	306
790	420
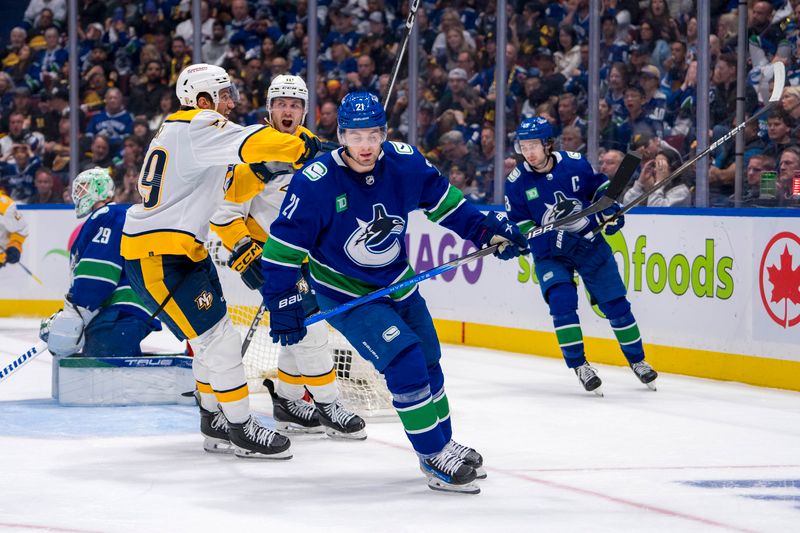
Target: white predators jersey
236	219
13	228
188	166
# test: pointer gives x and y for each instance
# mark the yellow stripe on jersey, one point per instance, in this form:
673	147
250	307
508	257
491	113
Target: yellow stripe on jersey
205	388
162	242
314	381
5	203
244	184
233	395
182	116
153	277
16	239
268	144
257	233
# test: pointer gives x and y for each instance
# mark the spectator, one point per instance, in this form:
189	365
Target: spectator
215	48
788	168
18	174
568	56
615	96
114	121
676	194
180	59
128	191
57	7
779	133
100	154
454	150
758	163
572	139
185	29
655	101
458	178
364	79
145	97
18	134
610	161
328	116
660	48
568	112
636	122
166	106
761	29
46	191
51	60
460	97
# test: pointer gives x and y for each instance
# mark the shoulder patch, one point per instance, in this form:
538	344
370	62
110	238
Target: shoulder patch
573	155
514	175
402	148
315	171
102	211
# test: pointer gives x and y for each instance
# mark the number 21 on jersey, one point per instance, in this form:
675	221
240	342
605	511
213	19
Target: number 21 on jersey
151	178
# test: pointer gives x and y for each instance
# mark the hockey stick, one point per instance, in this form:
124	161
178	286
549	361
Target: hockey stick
412	16
774	99
615	188
26	269
40	347
253	325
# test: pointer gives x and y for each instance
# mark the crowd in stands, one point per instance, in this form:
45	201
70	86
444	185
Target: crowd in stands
131	52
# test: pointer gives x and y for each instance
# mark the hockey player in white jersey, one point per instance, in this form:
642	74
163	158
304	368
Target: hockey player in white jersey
195	155
242	226
13	230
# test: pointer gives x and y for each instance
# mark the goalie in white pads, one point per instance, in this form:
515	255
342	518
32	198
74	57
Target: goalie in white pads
242	222
101	316
186	169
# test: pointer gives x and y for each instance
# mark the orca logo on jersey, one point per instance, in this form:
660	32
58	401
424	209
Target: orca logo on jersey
564	207
375	244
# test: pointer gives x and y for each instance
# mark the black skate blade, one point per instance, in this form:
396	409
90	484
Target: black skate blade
247	454
434	483
361	434
297	429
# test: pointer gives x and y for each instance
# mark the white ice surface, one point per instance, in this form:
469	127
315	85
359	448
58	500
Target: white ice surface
696	455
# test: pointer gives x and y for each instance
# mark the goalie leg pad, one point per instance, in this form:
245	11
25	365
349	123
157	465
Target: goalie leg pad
115	332
219	349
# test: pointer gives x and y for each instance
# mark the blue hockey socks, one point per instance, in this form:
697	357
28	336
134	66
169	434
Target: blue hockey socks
626	330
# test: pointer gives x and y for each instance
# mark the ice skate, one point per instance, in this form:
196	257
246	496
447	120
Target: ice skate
339	422
252	440
447	472
293	416
469	455
214	428
589	378
645	373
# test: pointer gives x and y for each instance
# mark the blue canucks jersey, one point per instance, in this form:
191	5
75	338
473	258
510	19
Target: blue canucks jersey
98	275
534	199
352	226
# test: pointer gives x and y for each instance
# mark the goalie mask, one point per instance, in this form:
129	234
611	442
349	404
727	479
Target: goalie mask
287	86
89	187
203	78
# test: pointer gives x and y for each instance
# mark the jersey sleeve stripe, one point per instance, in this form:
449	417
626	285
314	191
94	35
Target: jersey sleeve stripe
288	244
449	203
98	269
276	250
96	278
279	263
600	190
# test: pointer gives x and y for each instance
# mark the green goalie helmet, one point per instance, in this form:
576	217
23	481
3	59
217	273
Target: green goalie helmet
89	187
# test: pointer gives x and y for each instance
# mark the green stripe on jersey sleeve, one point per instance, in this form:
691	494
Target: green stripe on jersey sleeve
351	286
92	268
449	202
276	251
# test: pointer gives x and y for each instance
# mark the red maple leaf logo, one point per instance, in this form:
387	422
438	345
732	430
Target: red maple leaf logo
785	282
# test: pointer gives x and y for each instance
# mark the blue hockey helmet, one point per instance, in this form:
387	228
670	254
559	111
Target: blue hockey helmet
361	110
533	128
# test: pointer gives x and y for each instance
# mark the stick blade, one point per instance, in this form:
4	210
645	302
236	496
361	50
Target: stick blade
779	78
624	173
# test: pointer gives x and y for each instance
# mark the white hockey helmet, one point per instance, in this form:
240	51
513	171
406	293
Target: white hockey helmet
89	187
203	78
288	86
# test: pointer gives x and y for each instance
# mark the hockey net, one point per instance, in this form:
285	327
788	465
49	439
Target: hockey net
361	387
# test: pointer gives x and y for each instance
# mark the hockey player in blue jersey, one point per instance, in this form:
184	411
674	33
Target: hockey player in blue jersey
347	211
551	185
101	316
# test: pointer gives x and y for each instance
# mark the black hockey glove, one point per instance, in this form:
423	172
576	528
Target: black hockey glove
612	227
497	229
264	174
245	260
286	316
12	255
312	147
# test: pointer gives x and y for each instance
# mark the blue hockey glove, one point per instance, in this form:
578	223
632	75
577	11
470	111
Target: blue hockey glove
12	255
245	261
497	229
313	146
541	246
286	316
612	227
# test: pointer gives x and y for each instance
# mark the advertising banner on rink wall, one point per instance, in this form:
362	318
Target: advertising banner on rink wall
715	296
